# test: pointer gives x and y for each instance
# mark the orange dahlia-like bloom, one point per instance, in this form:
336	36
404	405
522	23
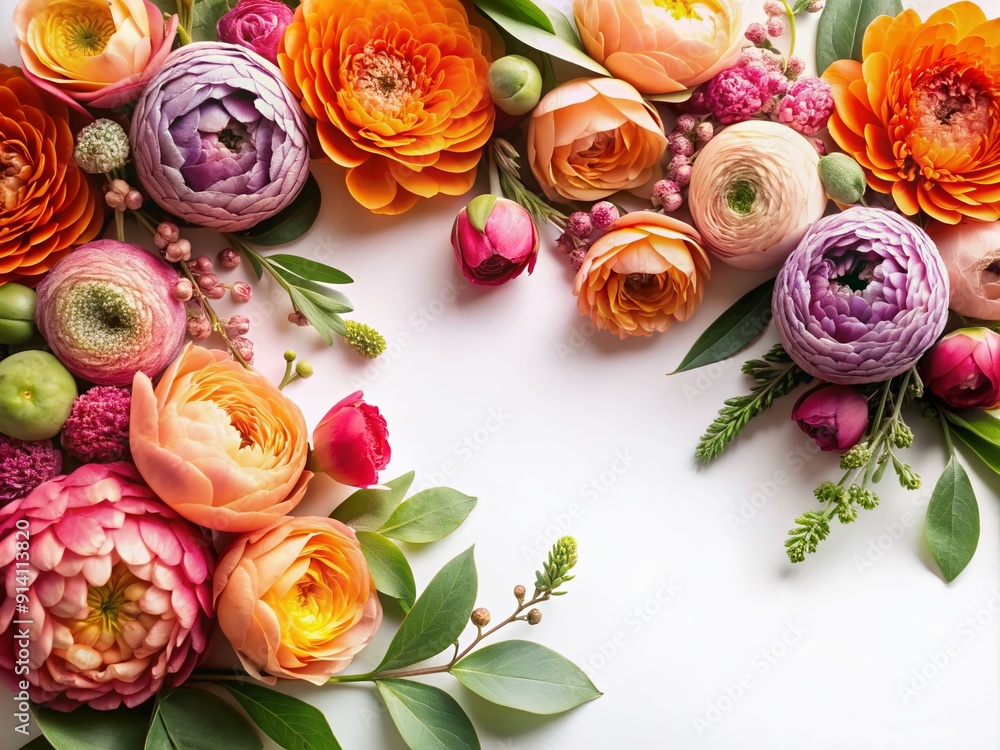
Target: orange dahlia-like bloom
399	93
47	204
921	114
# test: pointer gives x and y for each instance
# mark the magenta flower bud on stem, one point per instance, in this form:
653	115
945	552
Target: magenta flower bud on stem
350	443
963	369
257	25
835	416
494	239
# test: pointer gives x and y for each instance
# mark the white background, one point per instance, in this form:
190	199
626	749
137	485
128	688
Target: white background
685	611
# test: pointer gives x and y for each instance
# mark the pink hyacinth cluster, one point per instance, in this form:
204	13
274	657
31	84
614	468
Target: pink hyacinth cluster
97	428
806	106
749	88
26	464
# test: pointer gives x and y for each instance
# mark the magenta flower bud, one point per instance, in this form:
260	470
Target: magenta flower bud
257	25
244	346
183	290
963	369
241	291
216	292
795	66
236	325
835	416
208	281
199	327
604	214
494	239
169	231
686	123
229	258
580	225
351	443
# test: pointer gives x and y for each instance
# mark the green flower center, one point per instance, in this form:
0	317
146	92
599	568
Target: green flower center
99	317
741	197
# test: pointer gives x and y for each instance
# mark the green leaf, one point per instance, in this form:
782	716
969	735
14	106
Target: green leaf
429	515
841	28
291	222
427	717
39	743
389	567
369	508
438	617
732	331
189	719
88	729
953	521
290	722
979	431
327	324
311	269
324	297
526	676
206	17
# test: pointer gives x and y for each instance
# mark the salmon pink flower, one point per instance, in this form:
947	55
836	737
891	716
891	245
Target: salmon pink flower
963	369
835	416
350	443
971	253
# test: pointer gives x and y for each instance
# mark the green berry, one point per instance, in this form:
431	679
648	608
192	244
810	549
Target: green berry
36	395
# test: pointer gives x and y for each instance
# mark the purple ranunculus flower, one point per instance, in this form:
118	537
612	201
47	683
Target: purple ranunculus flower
835	416
861	298
218	138
257	25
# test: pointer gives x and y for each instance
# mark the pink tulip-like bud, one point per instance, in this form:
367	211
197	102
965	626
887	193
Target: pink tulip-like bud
199	327
350	443
229	258
241	291
963	368
236	325
835	416
494	239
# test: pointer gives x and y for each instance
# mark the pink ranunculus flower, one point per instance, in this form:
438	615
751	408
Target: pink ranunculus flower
963	368
971	253
835	416
119	592
257	25
494	239
350	443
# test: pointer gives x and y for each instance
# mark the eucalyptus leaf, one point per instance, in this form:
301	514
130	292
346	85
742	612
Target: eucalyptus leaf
439	615
737	327
953	521
206	18
290	722
310	269
323	296
88	729
328	325
841	28
189	719
526	676
367	509
389	567
429	515
427	717
291	222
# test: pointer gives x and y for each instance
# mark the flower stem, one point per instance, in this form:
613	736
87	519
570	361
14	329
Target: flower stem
791	27
947	435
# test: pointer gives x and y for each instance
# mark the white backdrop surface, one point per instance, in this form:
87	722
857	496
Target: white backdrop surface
685	611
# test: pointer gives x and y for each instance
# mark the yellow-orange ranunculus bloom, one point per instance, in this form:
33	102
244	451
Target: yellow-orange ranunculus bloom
592	137
398	90
219	443
297	599
661	46
646	272
921	114
48	205
96	52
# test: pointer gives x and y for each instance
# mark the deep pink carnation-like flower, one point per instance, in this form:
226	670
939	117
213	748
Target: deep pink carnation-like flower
26	464
963	368
738	93
806	106
835	416
257	25
351	443
119	602
97	428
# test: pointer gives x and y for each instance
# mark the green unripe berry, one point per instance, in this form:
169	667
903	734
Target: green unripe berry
515	84
17	314
843	178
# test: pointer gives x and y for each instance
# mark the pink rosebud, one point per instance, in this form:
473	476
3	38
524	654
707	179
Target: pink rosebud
229	258
133	201
795	66
494	239
605	213
177	251
350	443
216	292
201	264
257	25
835	416
208	281
685	123
774	8
963	368
756	33
241	291
672	202
237	325
680	144
704	132
775	26
114	199
168	231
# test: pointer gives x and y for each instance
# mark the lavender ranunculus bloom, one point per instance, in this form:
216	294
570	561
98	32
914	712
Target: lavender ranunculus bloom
861	298
257	25
218	138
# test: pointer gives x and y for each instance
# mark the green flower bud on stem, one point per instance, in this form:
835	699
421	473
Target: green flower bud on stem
843	178
515	84
364	339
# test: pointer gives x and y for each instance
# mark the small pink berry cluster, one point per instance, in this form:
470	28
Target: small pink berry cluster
119	195
777	13
580	228
688	134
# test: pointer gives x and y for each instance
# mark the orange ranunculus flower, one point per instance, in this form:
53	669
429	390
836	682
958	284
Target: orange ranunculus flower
297	599
399	93
219	443
592	137
661	46
646	272
921	114
47	204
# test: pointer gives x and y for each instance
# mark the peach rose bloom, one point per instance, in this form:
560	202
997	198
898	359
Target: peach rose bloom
971	253
661	46
646	272
218	443
592	137
297	599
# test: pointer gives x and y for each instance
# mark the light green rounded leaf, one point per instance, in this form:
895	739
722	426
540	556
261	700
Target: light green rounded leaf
88	729
389	567
429	515
427	717
292	723
189	719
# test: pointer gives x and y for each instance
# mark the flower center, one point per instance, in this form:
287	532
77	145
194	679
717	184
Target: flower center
858	276
14	173
741	197
635	282
602	143
951	108
79	30
681	9
110	605
99	317
383	81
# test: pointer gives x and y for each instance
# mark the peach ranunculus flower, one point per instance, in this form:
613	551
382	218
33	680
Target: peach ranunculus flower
297	599
921	114
971	254
646	272
219	443
99	53
661	47
592	137
399	93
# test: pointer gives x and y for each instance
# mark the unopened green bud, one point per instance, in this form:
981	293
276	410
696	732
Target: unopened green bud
515	84
290	355
843	178
304	368
364	339
101	146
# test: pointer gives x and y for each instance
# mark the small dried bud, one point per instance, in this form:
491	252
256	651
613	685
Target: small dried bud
241	291
576	257
114	200
199	327
206	281
672	202
216	292
682	175
534	616
133	201
121	187
604	214
177	251
685	124
662	189
229	258
580	225
169	231
160	241
520	592
201	264
183	290
244	346
480	617
236	325
298	318
680	144
704	132
775	26
774	8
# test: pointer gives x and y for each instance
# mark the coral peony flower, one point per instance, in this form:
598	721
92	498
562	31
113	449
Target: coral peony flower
755	190
218	139
257	25
861	298
494	239
399	93
119	603
47	204
25	464
963	368
835	416
660	47
219	443
592	137
646	272
100	53
297	599
351	442
922	113
971	253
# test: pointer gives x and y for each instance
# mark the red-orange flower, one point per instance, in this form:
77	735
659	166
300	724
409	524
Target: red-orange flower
399	93
47	204
921	114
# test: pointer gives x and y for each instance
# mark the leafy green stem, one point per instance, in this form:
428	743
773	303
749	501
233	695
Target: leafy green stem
791	27
504	156
946	431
